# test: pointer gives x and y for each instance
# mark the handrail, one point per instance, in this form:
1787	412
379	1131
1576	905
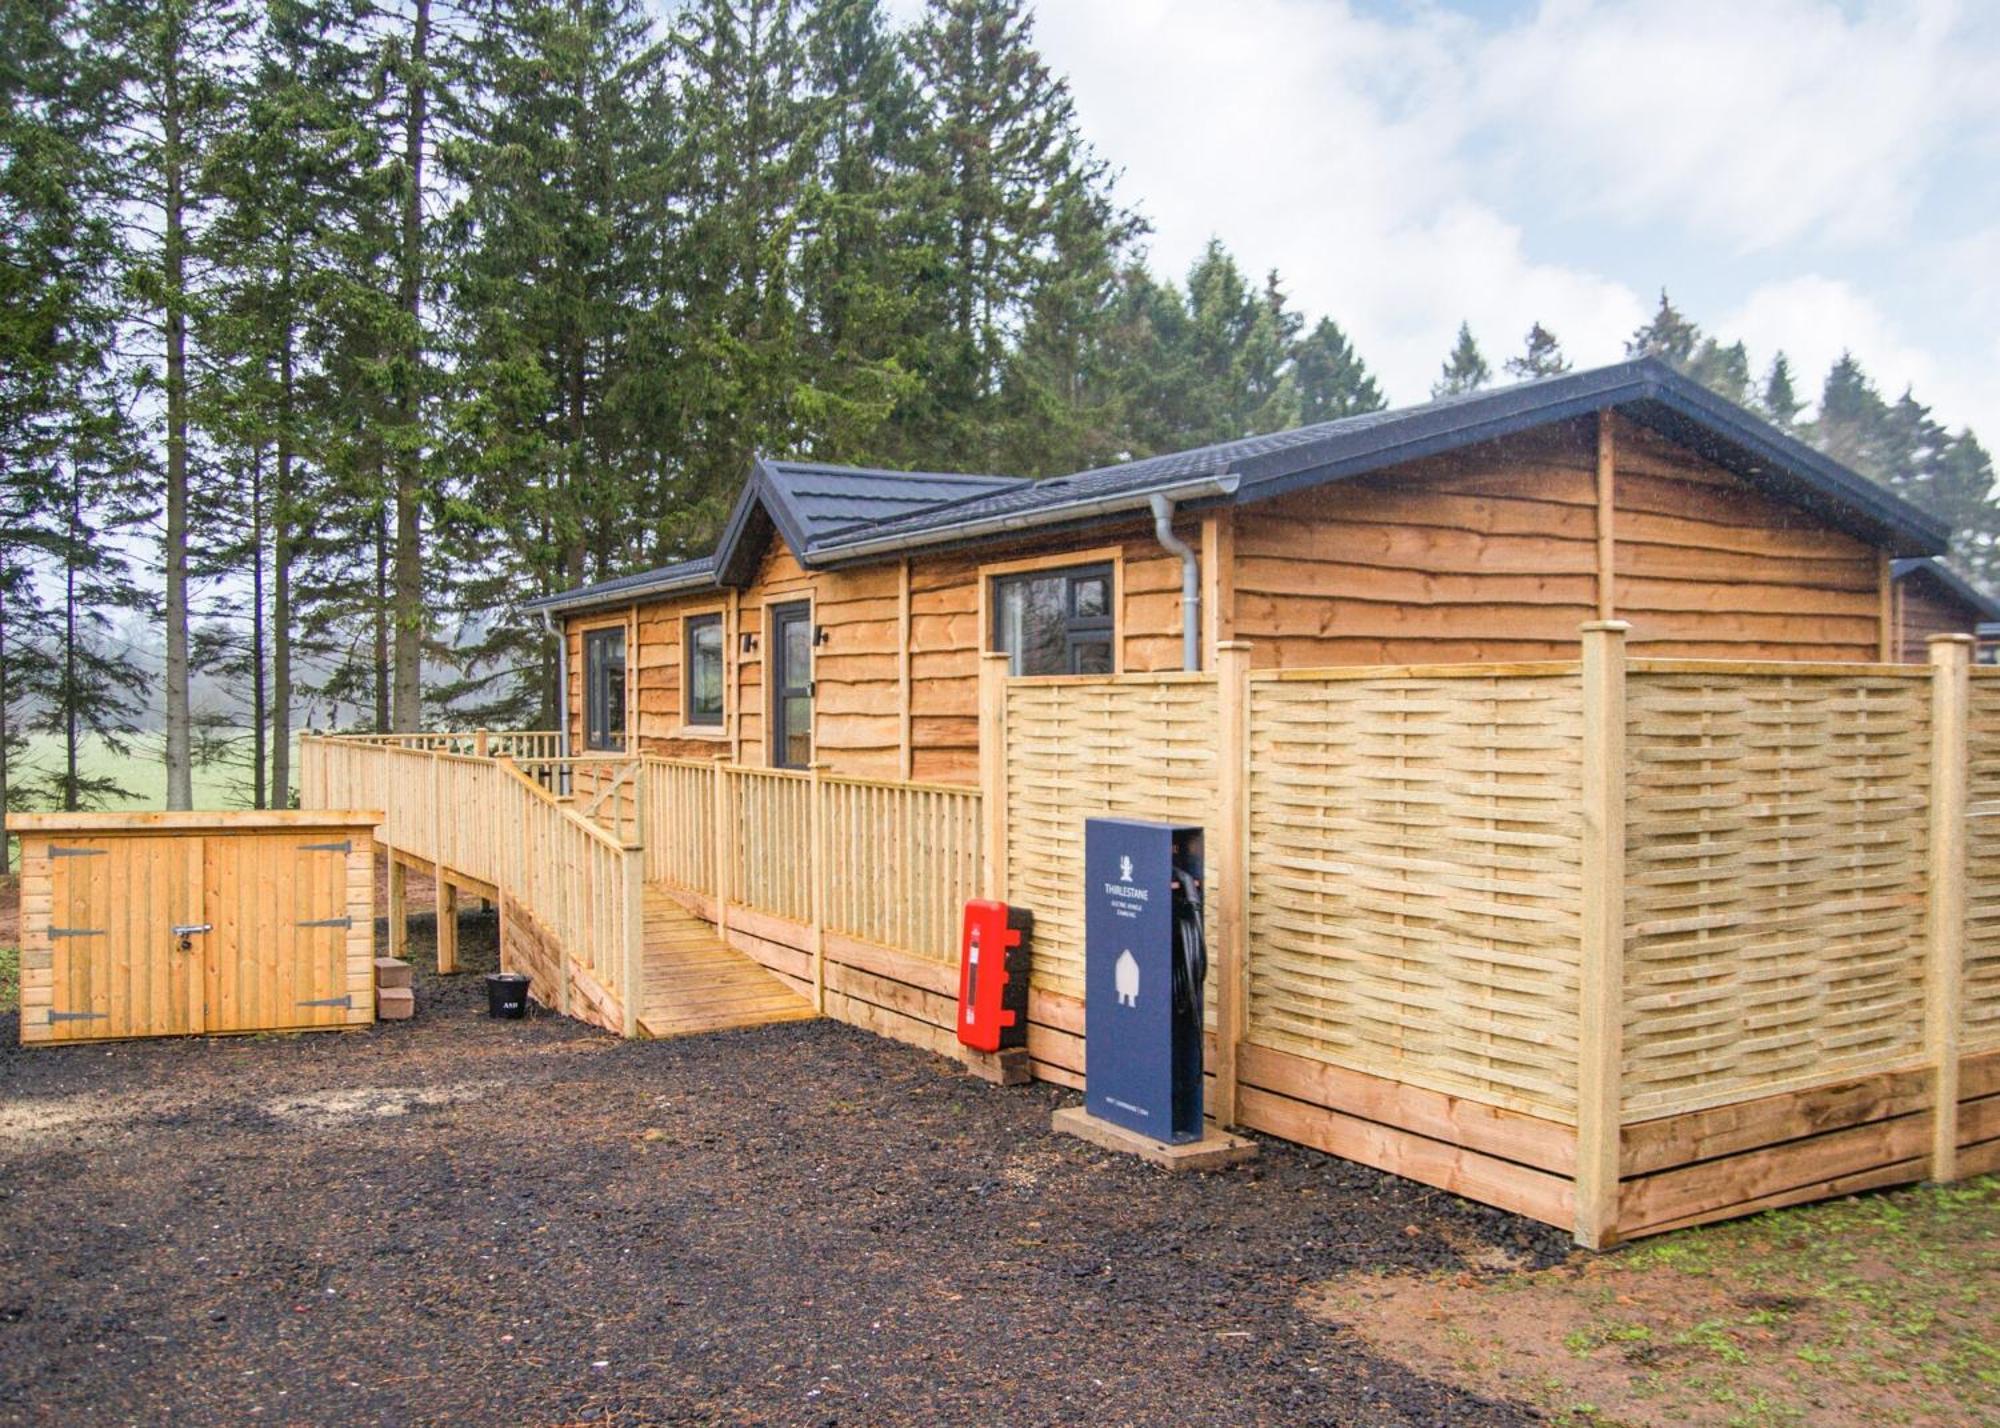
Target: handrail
594	830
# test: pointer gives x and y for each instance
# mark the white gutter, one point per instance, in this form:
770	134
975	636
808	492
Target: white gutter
1163	532
1124	502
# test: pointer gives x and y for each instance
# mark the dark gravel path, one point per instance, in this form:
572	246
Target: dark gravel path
453	1220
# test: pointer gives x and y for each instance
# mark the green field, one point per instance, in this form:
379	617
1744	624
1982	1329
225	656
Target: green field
142	772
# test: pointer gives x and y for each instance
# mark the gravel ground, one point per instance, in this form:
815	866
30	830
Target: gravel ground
456	1220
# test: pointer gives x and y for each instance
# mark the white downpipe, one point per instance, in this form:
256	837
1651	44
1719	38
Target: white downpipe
1163	531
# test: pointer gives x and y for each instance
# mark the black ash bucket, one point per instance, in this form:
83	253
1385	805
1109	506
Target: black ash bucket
506	995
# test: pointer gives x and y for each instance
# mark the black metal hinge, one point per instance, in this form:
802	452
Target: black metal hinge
56	852
329	922
55	932
346	1001
56	1016
326	847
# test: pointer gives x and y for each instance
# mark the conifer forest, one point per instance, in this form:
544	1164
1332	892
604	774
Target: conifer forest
333	330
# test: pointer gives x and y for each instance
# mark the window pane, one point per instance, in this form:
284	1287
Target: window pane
1093	657
604	690
705	670
798	652
1043	620
798	730
1032	629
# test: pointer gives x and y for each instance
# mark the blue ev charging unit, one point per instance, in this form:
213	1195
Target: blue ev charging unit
1144	963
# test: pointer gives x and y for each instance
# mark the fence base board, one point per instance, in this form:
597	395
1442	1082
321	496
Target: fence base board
1862	1134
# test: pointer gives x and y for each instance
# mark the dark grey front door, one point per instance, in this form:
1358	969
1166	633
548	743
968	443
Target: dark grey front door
791	685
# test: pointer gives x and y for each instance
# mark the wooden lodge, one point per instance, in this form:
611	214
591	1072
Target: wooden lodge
1597	825
1479	529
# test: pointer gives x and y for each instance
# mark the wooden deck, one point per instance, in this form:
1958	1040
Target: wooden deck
693	983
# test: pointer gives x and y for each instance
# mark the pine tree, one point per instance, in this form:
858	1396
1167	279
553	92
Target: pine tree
1668	336
293	167
1542	356
1723	370
175	61
1012	179
95	690
1779	401
561	168
66	462
1852	425
1465	370
1331	379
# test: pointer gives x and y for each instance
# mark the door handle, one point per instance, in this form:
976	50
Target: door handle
190	928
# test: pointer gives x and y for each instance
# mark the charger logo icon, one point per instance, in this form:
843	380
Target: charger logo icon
1124	870
1126	975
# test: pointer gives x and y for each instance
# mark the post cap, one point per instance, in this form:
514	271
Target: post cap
1607	627
1952	639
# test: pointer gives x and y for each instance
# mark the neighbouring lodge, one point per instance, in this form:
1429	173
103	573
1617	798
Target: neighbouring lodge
842	614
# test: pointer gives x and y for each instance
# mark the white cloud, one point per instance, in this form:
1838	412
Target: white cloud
1814	319
1406	170
1751	122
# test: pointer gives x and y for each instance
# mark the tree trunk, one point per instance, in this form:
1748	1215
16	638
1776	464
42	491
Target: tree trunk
257	695
70	801
381	606
174	552
282	516
6	843
407	704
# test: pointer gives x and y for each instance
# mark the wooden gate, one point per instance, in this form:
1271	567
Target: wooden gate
171	924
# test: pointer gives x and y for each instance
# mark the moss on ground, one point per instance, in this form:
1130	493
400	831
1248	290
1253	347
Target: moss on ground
1875	1310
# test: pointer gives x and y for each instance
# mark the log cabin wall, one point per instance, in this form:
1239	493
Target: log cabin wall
859	669
1922	610
1493	554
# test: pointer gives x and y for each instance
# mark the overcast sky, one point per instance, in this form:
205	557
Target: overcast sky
1797	173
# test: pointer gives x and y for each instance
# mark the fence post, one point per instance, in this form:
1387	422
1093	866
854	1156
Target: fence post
993	775
481	743
725	843
444	897
634	960
1230	891
817	834
1944	971
1601	981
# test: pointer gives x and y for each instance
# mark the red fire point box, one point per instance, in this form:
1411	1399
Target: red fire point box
993	976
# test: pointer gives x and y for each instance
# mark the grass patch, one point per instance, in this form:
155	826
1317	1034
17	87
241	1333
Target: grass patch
1875	1310
10	979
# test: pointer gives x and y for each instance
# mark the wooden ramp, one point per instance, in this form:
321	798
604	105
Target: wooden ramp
693	983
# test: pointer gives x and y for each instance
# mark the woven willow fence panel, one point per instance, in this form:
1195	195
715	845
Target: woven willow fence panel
1775	852
1137	747
1981	1025
1415	901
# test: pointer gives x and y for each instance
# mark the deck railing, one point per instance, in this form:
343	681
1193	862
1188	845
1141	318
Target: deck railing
574	839
483	820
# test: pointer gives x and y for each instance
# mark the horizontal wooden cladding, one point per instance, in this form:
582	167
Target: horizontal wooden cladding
1492	554
1861	1134
1702	558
